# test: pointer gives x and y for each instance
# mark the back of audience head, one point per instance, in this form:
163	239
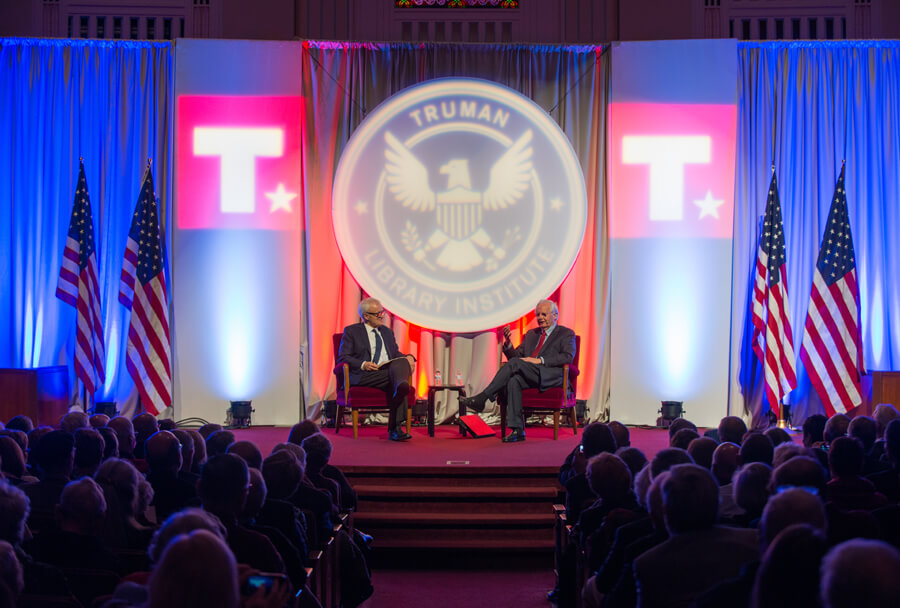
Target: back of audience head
248	451
145	425
196	570
800	472
318	451
792	506
778	436
883	414
642	483
218	443
861	573
20	437
788	576
125	431
620	433
701	450
10	572
82	507
163	453
683	438
608	476
256	494
294	450
89	449
814	429
122	480
691	499
596	439
785	451
167	424
845	457
678	424
12	459
187	448
654	502
863	429
55	453
98	421
892	444
224	482
302	430
835	427
110	442
732	429
20	423
751	487
14	510
208	429
184	522
667	458
282	473
633	457
756	447
199	450
73	421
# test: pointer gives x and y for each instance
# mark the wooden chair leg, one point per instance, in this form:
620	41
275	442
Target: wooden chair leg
408	420
355	415
338	416
503	420
574	417
555	425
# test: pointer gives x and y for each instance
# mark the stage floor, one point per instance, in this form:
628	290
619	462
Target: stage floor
448	448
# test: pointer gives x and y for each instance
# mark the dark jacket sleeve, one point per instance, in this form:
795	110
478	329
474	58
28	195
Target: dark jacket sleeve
564	351
352	351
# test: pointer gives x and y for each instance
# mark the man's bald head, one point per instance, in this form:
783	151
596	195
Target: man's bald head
725	461
163	452
125	431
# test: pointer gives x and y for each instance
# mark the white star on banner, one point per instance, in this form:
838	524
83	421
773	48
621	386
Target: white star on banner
281	199
556	204
361	207
709	205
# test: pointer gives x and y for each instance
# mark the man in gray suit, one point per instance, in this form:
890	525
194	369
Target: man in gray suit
698	553
537	363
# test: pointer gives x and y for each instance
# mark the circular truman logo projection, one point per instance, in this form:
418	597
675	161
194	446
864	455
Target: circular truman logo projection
459	203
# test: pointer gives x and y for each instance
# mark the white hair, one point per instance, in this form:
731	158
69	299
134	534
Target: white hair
553	307
364	305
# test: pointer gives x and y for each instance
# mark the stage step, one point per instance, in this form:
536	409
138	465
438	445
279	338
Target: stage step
457	509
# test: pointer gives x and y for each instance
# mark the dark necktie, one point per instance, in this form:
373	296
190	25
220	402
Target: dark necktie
540	344
378	343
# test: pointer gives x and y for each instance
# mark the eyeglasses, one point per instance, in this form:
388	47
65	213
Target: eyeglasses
378	313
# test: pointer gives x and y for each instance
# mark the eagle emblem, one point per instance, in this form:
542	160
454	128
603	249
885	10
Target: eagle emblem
459	242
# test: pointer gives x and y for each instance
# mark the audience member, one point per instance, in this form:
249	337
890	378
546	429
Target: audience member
121	484
110	442
683	438
678	424
835	427
77	542
171	493
196	570
167	424
248	451
304	429
750	488
145	425
186	472
792	506
12	462
814	430
218	443
756	447
595	439
318	452
663	576
701	450
208	429
98	421
620	433
799	472
89	448
301	431
223	487
884	413
55	457
788	576
199	451
73	421
860	573
667	458
634	458
125	432
888	482
778	436
11	579
34	437
732	430
611	481
20	423
785	451
20	437
282	474
848	490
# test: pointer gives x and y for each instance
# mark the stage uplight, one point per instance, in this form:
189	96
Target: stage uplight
239	412
669	411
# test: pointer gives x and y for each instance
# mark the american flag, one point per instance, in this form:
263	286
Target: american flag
78	286
772	338
832	348
143	290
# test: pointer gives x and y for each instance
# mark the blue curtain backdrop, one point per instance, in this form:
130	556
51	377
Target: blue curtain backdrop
110	103
805	107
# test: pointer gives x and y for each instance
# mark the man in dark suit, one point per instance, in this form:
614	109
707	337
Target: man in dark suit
367	347
537	363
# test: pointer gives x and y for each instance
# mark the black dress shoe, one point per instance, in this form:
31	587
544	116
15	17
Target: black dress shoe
401	391
396	435
515	436
553	595
475	403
